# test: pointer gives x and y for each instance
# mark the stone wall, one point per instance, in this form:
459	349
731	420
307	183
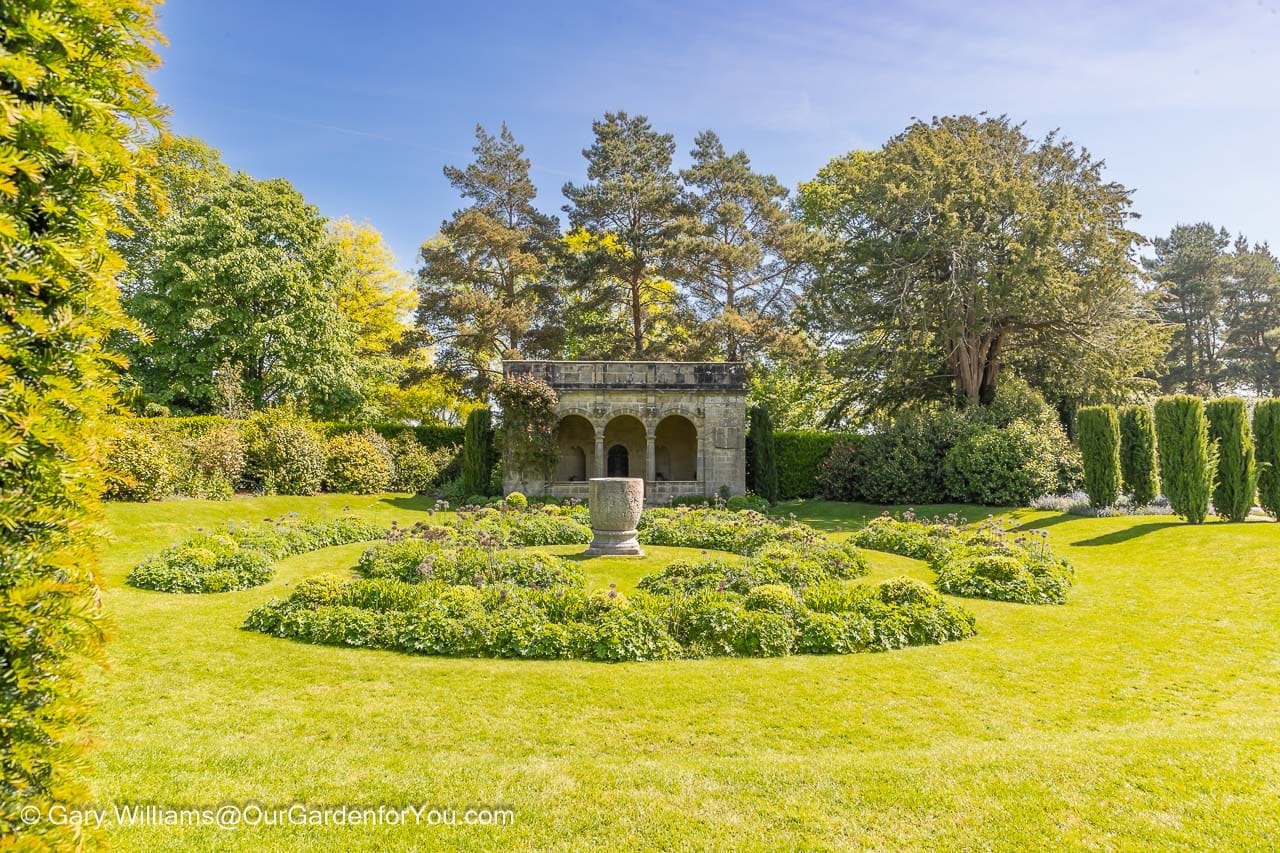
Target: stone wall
679	425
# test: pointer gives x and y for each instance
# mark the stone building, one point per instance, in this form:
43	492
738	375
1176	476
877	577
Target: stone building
679	425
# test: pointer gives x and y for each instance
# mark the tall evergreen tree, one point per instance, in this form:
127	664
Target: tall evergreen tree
1237	474
1252	317
1189	270
745	255
962	245
630	209
484	288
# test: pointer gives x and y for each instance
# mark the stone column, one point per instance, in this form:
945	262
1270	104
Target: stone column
599	460
650	459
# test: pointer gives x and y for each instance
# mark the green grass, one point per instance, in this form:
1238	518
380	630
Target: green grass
1143	714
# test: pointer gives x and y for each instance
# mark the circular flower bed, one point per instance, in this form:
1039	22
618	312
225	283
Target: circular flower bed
456	589
987	561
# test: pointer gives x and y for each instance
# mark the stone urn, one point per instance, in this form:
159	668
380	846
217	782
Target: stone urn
615	504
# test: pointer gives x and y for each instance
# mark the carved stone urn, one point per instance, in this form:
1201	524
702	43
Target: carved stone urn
615	504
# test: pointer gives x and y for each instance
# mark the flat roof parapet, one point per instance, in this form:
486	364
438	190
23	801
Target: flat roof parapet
578	375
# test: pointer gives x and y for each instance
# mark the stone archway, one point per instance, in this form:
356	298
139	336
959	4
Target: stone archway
576	439
625	443
676	449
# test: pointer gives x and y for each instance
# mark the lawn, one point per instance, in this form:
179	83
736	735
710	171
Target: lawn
1143	714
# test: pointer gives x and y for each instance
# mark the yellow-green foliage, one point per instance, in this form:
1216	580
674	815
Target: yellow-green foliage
72	92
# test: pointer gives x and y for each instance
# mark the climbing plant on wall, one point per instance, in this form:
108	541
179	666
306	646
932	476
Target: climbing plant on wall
529	424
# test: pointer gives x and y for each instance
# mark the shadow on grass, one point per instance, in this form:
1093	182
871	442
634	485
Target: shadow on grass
1128	533
418	503
1048	521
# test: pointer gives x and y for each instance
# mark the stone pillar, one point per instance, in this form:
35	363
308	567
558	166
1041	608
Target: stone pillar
650	459
599	460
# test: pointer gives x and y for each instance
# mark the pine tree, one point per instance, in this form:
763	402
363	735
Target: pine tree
484	287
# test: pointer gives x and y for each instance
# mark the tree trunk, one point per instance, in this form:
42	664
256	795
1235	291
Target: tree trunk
637	320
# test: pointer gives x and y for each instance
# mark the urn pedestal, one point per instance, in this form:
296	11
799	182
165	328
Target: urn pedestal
615	504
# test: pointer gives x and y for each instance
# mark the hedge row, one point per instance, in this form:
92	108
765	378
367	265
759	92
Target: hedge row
799	456
274	452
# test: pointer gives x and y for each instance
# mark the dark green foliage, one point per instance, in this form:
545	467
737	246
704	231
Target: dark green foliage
1000	466
529	427
800	455
1266	436
1138	468
1098	430
1237	475
1187	458
762	460
477	453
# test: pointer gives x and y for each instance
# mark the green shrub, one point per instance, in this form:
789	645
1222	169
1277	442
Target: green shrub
1098	430
140	467
216	462
358	462
242	557
1237	473
1138	468
719	530
418	468
478	453
741	502
1188	461
516	500
284	454
1001	466
204	563
762	463
908	536
800	456
775	598
1266	436
837	473
903	461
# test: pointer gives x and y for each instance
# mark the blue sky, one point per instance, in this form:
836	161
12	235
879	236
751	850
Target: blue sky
360	105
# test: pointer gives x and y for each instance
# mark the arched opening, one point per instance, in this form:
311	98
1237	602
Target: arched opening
624	436
576	439
675	450
619	465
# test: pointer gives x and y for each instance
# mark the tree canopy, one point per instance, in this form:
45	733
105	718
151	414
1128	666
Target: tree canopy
964	245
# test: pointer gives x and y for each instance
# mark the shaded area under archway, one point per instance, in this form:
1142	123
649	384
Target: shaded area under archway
576	439
676	449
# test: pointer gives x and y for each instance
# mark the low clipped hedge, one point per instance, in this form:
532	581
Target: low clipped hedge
989	561
242	556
